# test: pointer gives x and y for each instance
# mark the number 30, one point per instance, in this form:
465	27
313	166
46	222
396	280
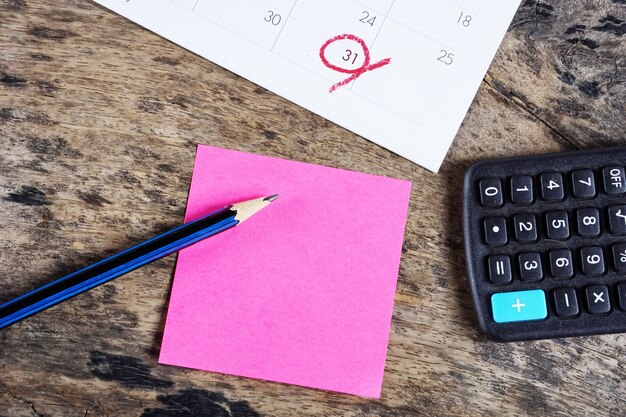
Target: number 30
273	18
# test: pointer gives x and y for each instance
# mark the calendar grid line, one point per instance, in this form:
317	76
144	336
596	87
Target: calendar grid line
283	26
408	75
356	94
424	35
411	76
371	8
376	37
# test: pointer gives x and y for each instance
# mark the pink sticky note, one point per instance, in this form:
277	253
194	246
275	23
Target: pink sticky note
300	293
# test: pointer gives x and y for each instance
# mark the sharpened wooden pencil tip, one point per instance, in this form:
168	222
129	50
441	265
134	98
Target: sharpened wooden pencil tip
245	209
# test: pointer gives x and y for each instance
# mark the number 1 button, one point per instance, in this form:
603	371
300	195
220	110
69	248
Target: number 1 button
552	186
522	189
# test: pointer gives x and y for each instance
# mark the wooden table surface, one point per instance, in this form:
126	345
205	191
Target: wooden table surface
99	120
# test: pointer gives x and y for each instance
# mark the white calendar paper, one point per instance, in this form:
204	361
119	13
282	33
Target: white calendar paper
401	73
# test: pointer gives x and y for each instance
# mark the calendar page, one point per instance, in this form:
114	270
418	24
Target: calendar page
401	73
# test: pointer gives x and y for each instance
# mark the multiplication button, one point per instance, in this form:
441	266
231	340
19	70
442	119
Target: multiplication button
519	306
598	301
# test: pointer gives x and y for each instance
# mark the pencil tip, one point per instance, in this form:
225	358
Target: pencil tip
271	198
245	209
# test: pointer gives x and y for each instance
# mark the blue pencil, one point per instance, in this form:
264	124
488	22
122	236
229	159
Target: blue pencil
129	259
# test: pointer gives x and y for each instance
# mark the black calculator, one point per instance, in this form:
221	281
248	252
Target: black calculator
545	244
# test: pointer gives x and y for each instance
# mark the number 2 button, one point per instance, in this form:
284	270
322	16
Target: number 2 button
525	227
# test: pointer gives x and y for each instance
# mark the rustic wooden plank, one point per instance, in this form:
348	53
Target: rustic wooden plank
98	125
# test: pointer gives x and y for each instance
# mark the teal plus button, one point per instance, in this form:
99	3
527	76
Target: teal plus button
519	306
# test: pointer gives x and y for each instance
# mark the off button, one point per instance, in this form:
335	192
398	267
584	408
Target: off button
519	306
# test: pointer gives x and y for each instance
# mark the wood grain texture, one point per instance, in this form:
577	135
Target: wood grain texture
99	120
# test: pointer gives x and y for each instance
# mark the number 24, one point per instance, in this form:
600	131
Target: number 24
367	19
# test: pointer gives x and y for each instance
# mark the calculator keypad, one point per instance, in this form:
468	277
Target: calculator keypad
551	255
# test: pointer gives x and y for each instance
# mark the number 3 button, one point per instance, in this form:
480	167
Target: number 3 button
530	266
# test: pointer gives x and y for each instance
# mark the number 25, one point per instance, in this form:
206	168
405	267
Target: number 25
446	57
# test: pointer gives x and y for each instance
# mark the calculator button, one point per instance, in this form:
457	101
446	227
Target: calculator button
614	181
588	222
619	257
583	183
495	231
557	225
491	192
598	299
519	306
530	266
500	269
592	259
552	186
565	302
522	189
621	296
525	227
561	264
617	219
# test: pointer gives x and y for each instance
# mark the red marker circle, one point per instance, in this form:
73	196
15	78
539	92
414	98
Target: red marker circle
356	72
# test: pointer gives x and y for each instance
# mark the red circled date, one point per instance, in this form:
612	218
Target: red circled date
355	72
